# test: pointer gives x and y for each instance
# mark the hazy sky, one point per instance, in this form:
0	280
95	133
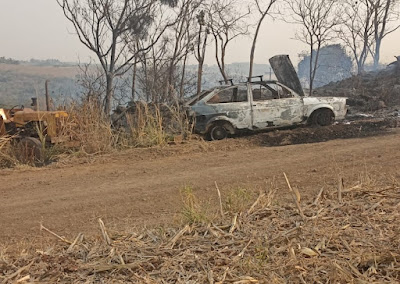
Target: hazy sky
38	29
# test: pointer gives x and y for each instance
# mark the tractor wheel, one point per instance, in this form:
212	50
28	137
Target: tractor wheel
30	151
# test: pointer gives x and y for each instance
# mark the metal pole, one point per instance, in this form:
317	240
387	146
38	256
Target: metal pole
47	96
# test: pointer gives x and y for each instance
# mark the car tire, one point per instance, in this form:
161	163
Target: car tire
322	117
217	132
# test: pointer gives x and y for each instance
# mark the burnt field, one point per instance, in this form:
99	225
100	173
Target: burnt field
342	130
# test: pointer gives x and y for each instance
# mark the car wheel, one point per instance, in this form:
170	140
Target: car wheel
218	132
322	117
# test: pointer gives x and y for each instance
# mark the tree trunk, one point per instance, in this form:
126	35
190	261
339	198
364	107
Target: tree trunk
109	94
134	72
311	68
360	67
199	77
377	54
220	63
202	55
181	87
253	47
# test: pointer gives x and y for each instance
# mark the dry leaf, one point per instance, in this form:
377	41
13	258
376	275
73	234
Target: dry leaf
247	280
309	252
298	196
320	245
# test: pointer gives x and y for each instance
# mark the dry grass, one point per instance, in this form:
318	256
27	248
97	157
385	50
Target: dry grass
89	130
7	157
145	126
352	240
193	210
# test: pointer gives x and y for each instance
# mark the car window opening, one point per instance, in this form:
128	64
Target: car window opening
231	95
265	92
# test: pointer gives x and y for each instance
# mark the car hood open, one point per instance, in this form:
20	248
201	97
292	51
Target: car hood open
285	73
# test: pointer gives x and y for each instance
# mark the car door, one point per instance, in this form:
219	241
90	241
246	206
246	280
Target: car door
232	104
274	105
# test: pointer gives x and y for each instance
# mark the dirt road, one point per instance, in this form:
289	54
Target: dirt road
142	187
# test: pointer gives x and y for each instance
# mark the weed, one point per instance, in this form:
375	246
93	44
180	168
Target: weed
193	211
238	200
89	129
7	157
146	126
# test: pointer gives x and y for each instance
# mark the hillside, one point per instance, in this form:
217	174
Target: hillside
371	91
24	80
19	83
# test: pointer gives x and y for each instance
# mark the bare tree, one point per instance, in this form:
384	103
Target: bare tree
227	23
356	30
108	27
385	16
318	19
264	10
200	46
154	72
182	36
163	69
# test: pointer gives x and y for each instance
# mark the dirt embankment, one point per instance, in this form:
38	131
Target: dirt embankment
350	129
369	92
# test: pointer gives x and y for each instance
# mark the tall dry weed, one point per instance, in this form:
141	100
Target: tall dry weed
145	126
194	211
179	121
89	129
7	157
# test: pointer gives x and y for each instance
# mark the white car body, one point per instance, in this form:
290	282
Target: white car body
262	104
254	113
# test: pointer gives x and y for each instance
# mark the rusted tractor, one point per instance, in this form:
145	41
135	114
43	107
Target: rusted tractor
31	130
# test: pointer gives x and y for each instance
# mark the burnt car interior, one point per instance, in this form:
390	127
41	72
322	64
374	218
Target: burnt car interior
269	90
262	91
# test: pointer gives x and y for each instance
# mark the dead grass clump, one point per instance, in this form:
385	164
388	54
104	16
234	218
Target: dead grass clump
89	130
157	124
7	157
238	200
351	240
146	126
193	211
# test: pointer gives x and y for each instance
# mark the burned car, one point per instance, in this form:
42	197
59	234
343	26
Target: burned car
260	104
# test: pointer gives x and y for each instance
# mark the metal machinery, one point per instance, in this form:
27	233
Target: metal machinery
31	130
